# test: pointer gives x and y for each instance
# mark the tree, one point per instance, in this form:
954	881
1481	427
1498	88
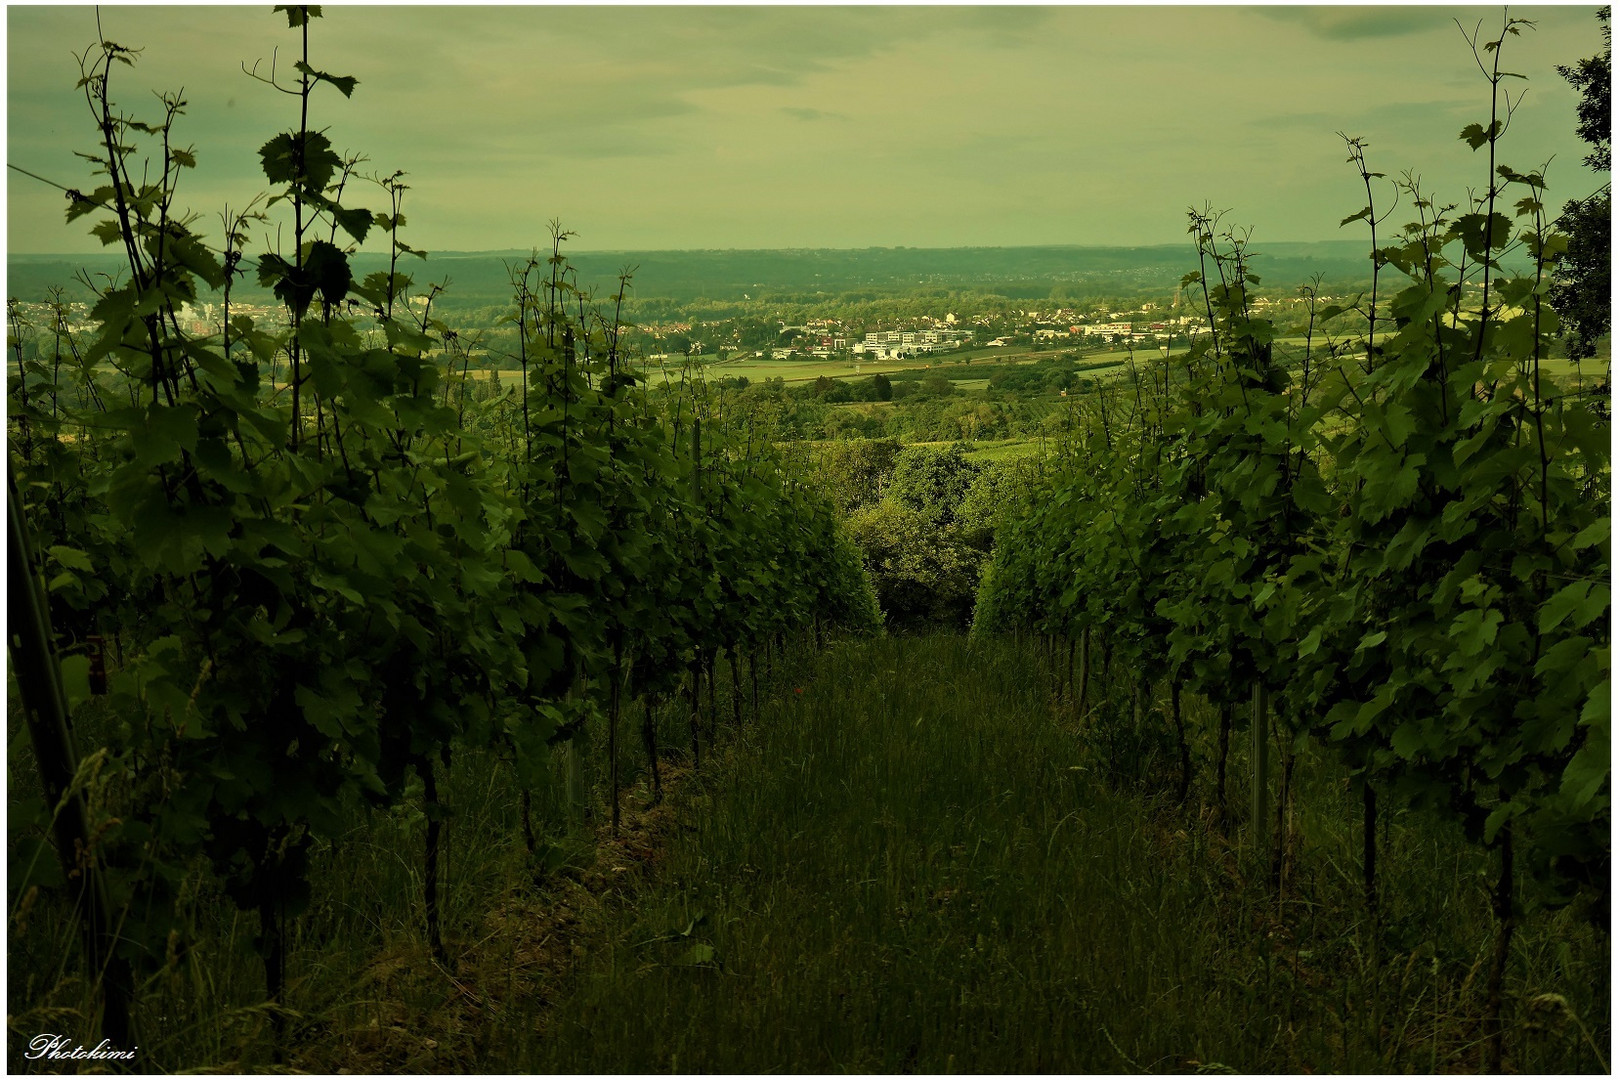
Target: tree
933	482
855	474
923	574
1591	78
994	495
1580	288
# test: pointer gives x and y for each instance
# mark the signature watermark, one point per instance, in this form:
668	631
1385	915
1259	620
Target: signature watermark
61	1048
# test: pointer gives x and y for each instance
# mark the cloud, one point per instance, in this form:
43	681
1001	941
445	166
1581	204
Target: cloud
808	115
1004	27
679	126
1359	23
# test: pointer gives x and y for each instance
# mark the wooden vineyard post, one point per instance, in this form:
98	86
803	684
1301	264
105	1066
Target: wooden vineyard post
573	769
710	667
695	671
613	736
434	811
1502	907
1262	764
526	805
1225	742
1369	845
736	688
1085	668
694	675
1069	673
574	782
753	679
1181	740
697	461
649	741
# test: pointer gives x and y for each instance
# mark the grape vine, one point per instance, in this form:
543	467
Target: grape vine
1395	546
322	566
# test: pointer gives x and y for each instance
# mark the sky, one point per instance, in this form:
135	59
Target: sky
679	127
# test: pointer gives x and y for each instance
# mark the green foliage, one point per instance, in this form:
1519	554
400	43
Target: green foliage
1580	279
1580	285
1592	77
925	521
933	482
991	499
1402	539
856	473
924	574
1043	376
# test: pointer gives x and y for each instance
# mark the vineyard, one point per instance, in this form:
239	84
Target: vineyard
293	606
301	569
1394	552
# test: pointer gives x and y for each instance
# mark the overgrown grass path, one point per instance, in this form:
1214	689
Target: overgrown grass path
896	874
911	867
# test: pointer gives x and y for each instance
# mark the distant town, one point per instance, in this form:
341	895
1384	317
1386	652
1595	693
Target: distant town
842	309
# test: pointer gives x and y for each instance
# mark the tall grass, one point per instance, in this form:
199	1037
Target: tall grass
922	866
364	992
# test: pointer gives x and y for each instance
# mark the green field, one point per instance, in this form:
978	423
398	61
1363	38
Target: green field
1102	365
761	368
998	450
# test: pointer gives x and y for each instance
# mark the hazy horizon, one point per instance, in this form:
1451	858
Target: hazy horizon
573	246
769	128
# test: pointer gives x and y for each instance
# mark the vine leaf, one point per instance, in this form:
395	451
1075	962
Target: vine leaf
298	14
1582	600
1589	769
1477	136
308	162
345	83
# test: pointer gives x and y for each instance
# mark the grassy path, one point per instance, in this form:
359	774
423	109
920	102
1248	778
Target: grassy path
916	867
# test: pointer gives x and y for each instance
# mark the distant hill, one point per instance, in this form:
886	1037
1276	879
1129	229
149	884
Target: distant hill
481	277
